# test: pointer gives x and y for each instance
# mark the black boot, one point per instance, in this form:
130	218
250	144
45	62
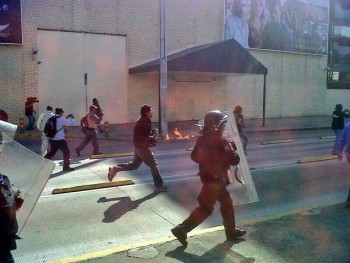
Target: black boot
181	235
180	231
233	233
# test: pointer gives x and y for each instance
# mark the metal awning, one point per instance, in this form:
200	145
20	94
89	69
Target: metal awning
222	58
225	58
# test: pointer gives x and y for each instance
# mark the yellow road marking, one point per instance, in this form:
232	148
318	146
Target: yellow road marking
27	135
277	141
110	155
91	187
317	159
327	137
107	252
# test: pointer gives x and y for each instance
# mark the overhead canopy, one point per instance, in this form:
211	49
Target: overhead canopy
220	58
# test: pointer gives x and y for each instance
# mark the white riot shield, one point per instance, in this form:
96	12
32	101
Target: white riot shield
27	171
7	128
242	188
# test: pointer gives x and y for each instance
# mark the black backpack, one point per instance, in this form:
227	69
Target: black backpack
50	128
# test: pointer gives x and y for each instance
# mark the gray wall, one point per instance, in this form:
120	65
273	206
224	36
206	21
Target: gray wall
296	83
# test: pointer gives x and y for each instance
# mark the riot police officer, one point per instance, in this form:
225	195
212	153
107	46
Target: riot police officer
214	154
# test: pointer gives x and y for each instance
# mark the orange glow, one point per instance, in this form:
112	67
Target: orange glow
177	135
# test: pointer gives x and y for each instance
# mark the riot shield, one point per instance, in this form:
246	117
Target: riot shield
242	188
27	171
7	128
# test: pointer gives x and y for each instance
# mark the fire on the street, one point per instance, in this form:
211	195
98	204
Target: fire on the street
177	135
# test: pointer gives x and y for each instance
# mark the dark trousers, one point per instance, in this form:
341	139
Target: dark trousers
7	243
6	256
210	193
348	197
63	146
146	156
244	139
90	135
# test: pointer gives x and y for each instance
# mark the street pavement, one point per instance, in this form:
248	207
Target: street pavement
317	234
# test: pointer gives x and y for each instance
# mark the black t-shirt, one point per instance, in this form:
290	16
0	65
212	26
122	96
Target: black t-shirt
338	119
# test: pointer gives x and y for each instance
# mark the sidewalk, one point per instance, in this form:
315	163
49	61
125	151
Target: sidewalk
125	131
319	235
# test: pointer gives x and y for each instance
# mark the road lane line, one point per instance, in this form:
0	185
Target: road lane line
317	159
110	251
27	135
111	155
327	137
277	141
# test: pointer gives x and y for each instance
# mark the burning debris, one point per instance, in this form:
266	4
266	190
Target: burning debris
177	135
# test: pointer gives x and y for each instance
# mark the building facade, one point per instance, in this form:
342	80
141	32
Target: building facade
84	49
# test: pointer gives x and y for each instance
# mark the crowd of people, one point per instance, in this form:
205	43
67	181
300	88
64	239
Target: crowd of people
212	152
258	24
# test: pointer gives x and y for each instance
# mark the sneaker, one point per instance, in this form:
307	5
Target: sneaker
160	189
68	169
180	234
112	171
347	205
238	232
77	151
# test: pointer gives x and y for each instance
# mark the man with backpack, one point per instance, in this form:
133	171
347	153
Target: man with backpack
56	136
89	125
40	124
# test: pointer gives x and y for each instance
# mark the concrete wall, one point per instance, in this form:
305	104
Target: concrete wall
296	83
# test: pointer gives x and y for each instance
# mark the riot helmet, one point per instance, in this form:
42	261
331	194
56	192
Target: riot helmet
213	121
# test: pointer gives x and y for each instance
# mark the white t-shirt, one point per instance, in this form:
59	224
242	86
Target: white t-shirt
40	124
60	122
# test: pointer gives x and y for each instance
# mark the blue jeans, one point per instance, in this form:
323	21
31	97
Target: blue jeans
146	156
337	135
90	135
31	121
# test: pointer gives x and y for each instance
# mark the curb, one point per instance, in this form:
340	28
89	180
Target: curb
317	159
115	250
91	187
287	129
111	155
277	141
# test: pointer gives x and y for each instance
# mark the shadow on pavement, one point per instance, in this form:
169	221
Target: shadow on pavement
123	206
76	168
216	254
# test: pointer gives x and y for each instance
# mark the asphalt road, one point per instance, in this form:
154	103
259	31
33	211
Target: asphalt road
72	224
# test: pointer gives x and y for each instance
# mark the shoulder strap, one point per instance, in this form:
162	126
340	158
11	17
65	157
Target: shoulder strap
56	124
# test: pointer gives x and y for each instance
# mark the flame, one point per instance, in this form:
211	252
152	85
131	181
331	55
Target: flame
178	136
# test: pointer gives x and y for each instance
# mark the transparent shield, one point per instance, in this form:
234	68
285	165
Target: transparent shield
27	171
7	128
242	188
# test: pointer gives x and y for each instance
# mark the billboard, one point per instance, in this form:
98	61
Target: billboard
283	25
10	22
